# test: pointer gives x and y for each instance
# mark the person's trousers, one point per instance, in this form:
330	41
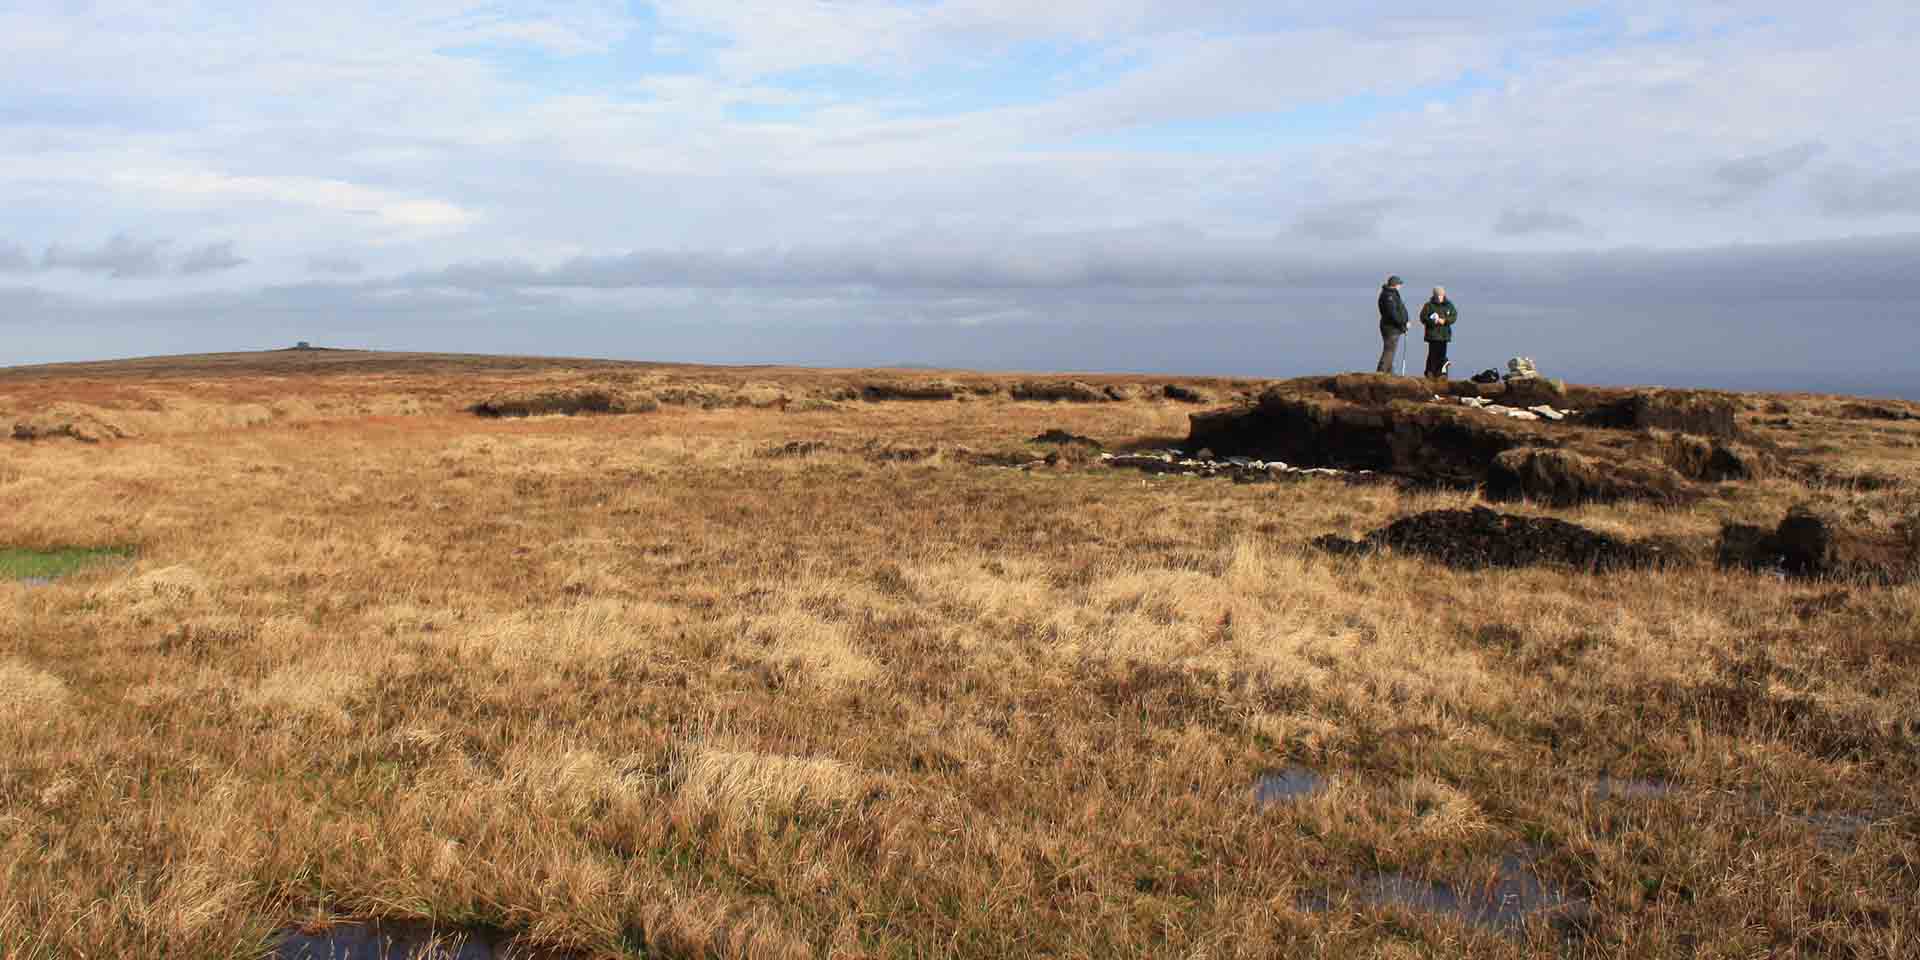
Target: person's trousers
1436	358
1389	348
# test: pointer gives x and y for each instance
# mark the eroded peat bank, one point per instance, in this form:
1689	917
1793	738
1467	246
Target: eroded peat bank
596	660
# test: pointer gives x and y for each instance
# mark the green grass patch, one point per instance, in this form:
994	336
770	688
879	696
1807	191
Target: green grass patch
19	563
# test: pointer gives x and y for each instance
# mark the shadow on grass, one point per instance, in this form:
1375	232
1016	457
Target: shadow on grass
1149	444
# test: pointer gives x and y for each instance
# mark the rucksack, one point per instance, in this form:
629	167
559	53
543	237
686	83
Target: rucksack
1487	376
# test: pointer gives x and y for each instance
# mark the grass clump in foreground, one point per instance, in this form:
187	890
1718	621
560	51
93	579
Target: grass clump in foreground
20	563
623	686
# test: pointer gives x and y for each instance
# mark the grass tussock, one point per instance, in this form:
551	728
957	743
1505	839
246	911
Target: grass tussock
728	681
25	690
793	638
742	783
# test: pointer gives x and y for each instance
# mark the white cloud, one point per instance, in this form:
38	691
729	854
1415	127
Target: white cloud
14	258
1851	192
335	264
337	196
1029	145
555	26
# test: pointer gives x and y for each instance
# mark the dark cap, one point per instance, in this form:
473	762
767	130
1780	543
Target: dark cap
1394	281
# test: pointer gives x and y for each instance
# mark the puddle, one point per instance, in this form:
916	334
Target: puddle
1610	787
409	940
1837	831
1290	783
1514	897
1832	831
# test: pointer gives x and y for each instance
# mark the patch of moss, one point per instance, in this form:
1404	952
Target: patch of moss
19	563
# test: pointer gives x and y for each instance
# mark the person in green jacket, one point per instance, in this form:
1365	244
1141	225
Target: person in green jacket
1438	315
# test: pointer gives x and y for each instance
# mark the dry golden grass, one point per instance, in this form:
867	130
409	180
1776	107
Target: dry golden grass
25	691
629	686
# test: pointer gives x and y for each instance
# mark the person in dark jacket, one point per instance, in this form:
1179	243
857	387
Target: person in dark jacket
1393	323
1438	315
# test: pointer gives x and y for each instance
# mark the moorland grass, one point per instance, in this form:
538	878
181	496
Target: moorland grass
628	686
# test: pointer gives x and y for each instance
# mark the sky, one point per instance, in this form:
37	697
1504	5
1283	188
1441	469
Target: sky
1713	194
